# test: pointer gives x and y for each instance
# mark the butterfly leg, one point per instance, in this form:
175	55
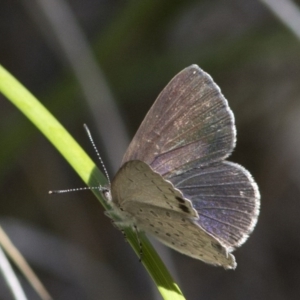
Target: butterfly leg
115	224
140	244
124	235
120	225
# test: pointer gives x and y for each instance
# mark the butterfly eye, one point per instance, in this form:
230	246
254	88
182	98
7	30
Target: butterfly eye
106	193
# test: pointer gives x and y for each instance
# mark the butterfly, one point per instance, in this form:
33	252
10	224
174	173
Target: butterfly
175	182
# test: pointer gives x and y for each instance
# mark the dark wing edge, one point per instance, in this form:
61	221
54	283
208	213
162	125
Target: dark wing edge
256	201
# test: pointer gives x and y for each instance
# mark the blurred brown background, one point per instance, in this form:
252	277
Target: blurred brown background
79	56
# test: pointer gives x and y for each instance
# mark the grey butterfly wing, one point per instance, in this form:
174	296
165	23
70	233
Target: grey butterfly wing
226	199
190	122
182	234
185	138
148	201
137	184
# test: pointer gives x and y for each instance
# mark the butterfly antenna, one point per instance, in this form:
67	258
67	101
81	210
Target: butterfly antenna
96	150
75	190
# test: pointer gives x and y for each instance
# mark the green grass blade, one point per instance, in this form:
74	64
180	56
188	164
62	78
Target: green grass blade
86	169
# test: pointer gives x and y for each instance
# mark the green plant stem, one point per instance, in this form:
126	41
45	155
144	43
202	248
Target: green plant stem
86	169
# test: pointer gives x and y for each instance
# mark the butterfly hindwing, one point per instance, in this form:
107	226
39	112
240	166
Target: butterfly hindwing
182	234
226	199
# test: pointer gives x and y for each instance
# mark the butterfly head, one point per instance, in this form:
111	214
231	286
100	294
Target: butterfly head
106	193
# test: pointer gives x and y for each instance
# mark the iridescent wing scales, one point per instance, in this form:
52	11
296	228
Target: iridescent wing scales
226	199
190	122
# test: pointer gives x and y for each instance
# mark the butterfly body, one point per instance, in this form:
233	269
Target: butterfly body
174	182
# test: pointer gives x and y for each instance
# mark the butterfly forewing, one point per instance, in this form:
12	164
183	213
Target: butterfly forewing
156	192
189	122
